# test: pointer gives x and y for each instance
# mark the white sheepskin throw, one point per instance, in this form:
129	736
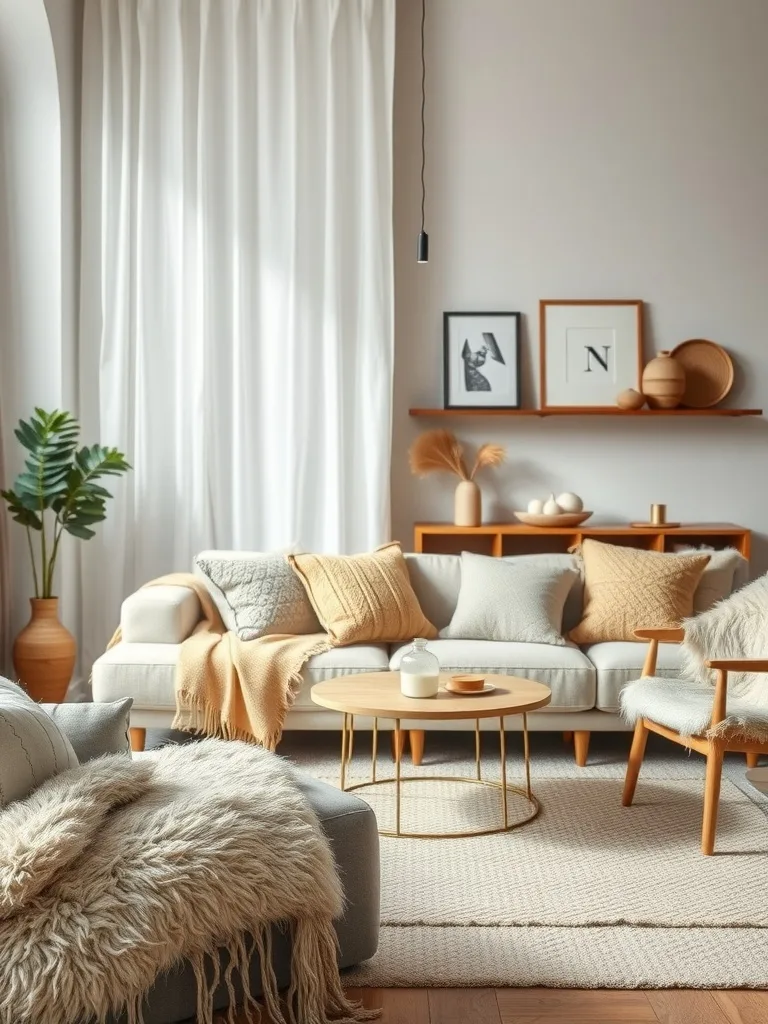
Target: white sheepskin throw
735	628
114	871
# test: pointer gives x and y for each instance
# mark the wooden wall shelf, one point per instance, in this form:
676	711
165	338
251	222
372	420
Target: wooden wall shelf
518	538
627	413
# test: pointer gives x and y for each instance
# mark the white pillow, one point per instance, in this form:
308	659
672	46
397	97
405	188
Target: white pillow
257	594
717	580
32	747
510	601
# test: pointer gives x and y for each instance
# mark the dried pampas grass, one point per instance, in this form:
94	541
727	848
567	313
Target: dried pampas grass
438	451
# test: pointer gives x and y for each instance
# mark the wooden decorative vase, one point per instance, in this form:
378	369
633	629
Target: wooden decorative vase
664	382
44	653
467	508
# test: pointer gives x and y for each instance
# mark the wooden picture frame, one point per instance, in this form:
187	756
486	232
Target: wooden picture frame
596	336
481	360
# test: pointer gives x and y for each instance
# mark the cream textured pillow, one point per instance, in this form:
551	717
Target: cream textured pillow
519	601
626	589
363	598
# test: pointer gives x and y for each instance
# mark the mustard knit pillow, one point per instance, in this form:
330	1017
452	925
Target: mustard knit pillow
363	598
626	589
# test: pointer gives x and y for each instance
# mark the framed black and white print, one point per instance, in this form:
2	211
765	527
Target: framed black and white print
481	360
591	349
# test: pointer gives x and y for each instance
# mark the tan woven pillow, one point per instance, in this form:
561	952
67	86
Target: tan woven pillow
363	598
626	589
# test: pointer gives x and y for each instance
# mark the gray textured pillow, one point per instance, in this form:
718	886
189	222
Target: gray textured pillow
94	729
32	747
717	580
510	601
257	594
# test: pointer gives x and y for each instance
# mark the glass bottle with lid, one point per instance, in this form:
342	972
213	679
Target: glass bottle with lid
419	671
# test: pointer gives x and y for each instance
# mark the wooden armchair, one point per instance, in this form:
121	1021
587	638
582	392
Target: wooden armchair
709	740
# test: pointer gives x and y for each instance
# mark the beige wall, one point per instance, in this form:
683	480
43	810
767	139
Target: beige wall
593	149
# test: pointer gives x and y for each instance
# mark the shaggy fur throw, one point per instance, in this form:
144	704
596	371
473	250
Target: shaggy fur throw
114	871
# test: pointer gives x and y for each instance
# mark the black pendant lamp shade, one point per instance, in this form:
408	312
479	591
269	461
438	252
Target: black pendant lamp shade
422	249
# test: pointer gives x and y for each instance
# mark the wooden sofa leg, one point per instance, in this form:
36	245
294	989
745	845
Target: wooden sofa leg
635	763
398	744
711	798
567	737
417	745
138	738
581	747
753	757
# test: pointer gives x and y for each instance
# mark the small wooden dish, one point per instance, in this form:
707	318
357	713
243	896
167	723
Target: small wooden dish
466	684
655	526
485	688
708	372
563	519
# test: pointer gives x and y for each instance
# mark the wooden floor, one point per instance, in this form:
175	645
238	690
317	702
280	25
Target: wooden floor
558	1006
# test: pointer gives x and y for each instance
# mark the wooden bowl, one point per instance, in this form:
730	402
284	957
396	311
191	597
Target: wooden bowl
540	519
467	684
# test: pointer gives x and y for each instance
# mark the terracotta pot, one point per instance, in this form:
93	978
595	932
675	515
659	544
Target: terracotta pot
44	653
467	506
664	382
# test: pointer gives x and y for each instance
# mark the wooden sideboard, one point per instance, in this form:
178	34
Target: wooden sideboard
517	539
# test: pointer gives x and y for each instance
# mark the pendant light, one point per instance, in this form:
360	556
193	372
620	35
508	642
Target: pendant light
422	249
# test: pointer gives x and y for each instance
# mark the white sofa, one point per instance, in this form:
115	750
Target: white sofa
585	682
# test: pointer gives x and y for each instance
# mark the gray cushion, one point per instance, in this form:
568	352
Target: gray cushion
350	824
32	747
94	729
256	594
517	602
618	662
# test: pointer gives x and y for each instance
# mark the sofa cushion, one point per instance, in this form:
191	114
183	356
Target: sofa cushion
32	747
159	615
509	601
94	729
436	580
147	672
619	662
568	673
256	594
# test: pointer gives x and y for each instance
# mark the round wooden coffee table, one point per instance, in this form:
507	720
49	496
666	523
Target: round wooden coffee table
377	695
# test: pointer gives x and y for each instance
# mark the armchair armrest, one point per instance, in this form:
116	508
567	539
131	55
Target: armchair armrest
739	664
159	615
665	635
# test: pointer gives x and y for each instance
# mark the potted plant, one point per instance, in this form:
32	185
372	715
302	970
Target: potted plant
58	492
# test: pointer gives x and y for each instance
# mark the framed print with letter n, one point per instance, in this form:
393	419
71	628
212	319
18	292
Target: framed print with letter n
481	360
591	349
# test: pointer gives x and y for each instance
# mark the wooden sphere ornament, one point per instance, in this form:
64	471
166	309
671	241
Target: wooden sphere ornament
664	382
630	399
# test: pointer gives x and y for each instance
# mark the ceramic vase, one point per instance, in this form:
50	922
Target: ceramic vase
467	506
44	653
663	382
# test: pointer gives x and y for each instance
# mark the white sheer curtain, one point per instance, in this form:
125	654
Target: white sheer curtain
237	285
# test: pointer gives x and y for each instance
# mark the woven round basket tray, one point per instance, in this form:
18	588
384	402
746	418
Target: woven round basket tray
708	372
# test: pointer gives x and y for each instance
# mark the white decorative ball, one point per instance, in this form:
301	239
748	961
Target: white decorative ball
536	506
569	502
551	507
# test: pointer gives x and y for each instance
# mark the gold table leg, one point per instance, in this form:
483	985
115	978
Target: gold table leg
397	782
344	751
375	748
503	746
527	751
477	749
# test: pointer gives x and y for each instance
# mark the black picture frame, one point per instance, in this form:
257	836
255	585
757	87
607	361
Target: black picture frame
470	357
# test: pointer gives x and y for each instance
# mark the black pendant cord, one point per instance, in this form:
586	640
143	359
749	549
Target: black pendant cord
423	102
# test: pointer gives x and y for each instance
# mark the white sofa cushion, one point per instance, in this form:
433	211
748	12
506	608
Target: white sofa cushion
159	615
32	747
256	594
436	579
620	661
519	601
147	672
565	670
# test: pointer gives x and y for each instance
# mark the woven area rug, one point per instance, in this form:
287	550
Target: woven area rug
587	895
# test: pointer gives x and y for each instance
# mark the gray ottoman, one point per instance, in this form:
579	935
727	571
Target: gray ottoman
350	824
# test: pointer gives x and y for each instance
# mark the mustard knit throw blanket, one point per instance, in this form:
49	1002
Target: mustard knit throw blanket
232	688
